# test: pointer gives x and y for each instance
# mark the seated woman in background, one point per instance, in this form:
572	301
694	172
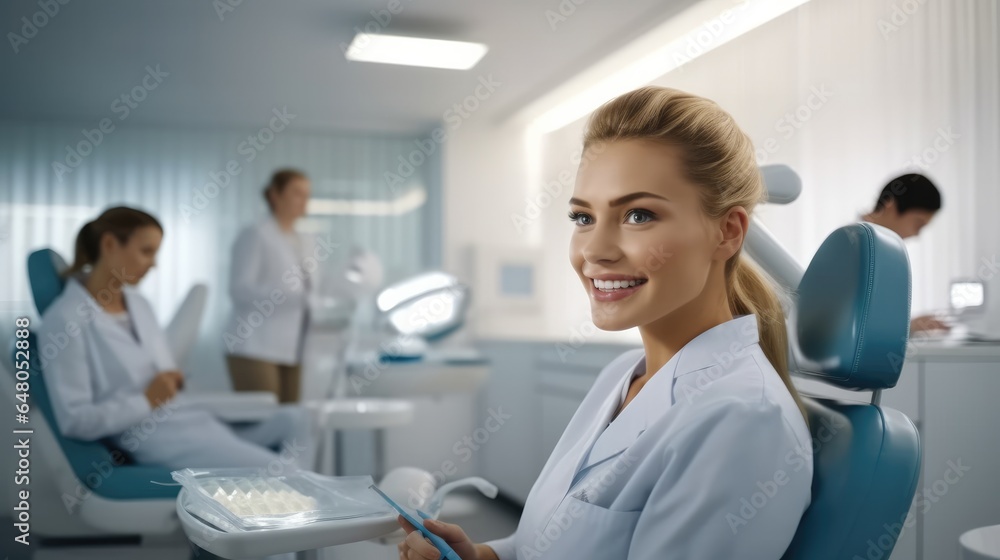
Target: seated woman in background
117	373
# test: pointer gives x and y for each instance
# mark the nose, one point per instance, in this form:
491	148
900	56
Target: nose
601	247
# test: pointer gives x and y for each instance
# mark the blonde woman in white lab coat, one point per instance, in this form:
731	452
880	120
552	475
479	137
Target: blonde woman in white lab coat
111	376
270	283
695	446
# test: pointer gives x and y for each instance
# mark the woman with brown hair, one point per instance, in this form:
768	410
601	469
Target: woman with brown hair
270	283
696	445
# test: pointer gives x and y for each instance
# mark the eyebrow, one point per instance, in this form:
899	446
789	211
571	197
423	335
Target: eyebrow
621	200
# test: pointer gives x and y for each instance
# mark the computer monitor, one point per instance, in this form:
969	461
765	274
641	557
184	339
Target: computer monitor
976	307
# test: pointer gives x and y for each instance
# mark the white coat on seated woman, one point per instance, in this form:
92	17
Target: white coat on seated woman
101	379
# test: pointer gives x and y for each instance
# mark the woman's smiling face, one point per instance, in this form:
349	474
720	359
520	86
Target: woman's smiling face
639	220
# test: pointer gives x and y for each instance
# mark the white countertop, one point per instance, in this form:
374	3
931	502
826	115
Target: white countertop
948	350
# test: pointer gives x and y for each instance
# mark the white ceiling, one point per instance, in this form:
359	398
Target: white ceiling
263	55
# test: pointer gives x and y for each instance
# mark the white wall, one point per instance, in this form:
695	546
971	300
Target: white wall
895	74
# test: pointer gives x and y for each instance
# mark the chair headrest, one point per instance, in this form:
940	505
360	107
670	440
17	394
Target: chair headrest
45	268
853	312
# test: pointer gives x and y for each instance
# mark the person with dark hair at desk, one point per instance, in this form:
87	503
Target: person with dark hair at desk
906	205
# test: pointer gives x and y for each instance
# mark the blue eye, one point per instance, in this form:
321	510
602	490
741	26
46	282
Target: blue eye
639	212
575	217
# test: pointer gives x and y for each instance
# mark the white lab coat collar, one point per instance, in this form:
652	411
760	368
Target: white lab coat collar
734	335
657	396
143	321
272	224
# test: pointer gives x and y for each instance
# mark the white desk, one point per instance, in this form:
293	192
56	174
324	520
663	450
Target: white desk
950	391
443	387
354	414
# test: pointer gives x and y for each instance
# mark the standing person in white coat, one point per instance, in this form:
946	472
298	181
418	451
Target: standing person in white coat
114	379
695	446
270	286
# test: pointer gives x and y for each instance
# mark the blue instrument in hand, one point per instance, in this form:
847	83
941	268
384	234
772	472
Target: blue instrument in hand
445	550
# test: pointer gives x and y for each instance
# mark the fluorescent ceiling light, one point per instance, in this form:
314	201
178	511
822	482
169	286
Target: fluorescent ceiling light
414	51
700	29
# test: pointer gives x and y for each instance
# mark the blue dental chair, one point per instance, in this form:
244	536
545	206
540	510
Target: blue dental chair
852	324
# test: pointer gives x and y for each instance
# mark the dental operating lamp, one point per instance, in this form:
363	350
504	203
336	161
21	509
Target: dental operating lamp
420	309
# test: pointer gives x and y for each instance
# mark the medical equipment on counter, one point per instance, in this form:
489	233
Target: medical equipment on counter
423	308
424	315
407	321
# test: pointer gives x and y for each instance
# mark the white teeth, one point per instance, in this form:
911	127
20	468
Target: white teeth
615	284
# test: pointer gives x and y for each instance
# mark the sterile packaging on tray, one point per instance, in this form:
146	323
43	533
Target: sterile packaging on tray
242	499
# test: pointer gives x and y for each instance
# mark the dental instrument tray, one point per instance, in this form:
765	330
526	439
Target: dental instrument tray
249	499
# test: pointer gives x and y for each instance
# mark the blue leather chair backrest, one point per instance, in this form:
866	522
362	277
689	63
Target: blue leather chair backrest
102	470
852	325
45	268
853	309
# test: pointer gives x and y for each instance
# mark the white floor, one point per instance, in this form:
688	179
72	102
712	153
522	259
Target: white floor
483	519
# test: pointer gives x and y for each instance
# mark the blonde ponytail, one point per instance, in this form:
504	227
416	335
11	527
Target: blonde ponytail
751	291
719	157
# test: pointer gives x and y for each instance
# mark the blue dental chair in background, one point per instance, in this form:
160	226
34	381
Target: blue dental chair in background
851	325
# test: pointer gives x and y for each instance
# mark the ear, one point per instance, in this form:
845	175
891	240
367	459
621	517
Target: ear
733	228
109	243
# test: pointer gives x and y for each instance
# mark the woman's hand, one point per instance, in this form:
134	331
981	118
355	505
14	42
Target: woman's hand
417	547
178	377
925	323
163	387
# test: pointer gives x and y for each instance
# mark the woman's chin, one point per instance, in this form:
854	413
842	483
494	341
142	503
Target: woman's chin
612	324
